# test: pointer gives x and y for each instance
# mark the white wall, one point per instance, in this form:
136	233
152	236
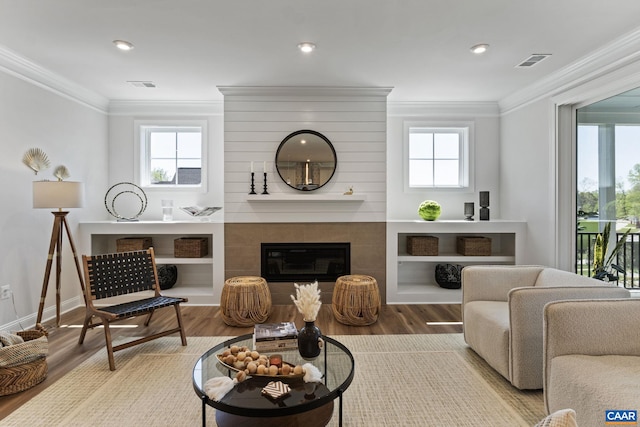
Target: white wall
123	144
484	117
258	119
71	134
527	177
537	160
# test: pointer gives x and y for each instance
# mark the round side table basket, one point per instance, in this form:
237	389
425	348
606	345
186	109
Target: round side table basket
356	300
245	301
24	365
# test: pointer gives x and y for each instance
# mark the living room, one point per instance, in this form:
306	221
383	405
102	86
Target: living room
522	140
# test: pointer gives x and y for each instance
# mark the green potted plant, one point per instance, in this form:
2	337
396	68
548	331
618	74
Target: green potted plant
603	265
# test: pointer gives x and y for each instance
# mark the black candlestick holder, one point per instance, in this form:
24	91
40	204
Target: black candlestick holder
265	184
468	211
484	206
253	184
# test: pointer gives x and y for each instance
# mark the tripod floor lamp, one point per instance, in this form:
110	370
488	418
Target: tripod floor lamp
58	195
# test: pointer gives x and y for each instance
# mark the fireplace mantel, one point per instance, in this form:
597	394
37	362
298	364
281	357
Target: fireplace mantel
285	197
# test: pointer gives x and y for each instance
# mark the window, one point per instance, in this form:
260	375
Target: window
172	155
437	157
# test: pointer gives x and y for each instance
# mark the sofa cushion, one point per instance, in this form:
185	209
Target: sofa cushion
554	277
593	384
489	336
493	282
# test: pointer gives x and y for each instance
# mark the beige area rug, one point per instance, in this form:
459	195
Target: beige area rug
408	380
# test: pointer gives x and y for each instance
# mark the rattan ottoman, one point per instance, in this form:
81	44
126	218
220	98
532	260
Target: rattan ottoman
356	300
245	301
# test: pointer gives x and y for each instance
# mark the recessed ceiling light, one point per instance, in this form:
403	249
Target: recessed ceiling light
479	48
141	83
306	47
123	44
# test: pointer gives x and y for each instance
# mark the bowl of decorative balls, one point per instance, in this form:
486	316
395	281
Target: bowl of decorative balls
251	363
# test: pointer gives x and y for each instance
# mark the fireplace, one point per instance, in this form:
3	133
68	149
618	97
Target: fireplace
295	262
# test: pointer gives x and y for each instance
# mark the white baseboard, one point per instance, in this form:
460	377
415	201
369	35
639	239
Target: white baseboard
29	321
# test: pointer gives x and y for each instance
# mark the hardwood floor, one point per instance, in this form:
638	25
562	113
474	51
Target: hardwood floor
65	353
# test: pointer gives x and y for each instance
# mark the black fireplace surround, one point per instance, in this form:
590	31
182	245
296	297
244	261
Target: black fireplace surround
296	262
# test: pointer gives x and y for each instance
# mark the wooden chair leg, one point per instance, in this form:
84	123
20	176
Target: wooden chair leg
85	326
146	323
107	337
179	316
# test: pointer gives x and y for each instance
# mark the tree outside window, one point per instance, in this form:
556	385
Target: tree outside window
172	156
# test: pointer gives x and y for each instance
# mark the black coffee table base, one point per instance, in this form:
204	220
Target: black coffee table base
318	417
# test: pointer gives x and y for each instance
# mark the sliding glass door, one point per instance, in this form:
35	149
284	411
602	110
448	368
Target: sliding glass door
608	184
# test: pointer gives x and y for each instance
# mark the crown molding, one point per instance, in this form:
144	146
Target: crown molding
339	91
446	109
166	108
24	69
620	53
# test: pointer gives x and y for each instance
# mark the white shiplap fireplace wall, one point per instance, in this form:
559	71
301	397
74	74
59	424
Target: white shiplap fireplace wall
257	119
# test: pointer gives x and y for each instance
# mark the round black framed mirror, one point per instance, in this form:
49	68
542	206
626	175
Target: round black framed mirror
306	160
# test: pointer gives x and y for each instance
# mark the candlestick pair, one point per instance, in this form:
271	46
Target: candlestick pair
253	184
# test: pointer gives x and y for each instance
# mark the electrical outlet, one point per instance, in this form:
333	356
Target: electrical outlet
5	292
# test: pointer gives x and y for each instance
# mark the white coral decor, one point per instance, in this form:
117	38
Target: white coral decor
308	300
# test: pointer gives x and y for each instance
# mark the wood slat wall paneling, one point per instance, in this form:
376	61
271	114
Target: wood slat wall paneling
257	119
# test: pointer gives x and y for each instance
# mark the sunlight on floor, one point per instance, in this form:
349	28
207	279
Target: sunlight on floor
98	327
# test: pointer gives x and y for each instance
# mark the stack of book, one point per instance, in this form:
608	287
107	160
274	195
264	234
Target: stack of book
275	336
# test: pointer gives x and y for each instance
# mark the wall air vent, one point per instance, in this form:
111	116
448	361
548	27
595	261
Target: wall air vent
141	83
533	60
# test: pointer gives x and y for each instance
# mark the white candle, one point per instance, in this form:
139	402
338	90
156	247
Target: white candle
251	167
306	173
264	166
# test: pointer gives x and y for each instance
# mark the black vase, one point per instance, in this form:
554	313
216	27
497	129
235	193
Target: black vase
309	341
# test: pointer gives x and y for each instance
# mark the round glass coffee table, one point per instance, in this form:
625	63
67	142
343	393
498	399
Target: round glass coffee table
308	404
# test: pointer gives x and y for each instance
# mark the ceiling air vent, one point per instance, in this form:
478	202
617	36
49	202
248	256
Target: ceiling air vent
141	84
533	60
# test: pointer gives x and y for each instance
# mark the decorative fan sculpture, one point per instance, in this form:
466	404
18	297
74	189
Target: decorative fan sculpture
131	200
61	172
36	160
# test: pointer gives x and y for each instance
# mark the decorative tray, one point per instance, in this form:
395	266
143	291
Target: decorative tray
200	210
260	366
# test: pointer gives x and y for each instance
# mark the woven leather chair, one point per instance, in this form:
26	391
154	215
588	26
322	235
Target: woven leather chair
123	273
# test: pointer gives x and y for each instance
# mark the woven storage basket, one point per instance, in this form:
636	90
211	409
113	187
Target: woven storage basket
474	245
24	365
130	244
191	247
422	245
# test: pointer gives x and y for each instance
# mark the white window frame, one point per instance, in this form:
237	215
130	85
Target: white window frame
466	159
142	160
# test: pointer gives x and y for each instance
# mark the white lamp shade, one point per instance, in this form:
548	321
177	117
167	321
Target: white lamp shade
58	194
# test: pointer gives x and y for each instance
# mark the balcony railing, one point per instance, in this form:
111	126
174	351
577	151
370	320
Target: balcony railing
628	258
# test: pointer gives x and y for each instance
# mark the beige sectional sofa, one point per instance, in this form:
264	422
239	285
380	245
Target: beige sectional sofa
592	357
502	310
